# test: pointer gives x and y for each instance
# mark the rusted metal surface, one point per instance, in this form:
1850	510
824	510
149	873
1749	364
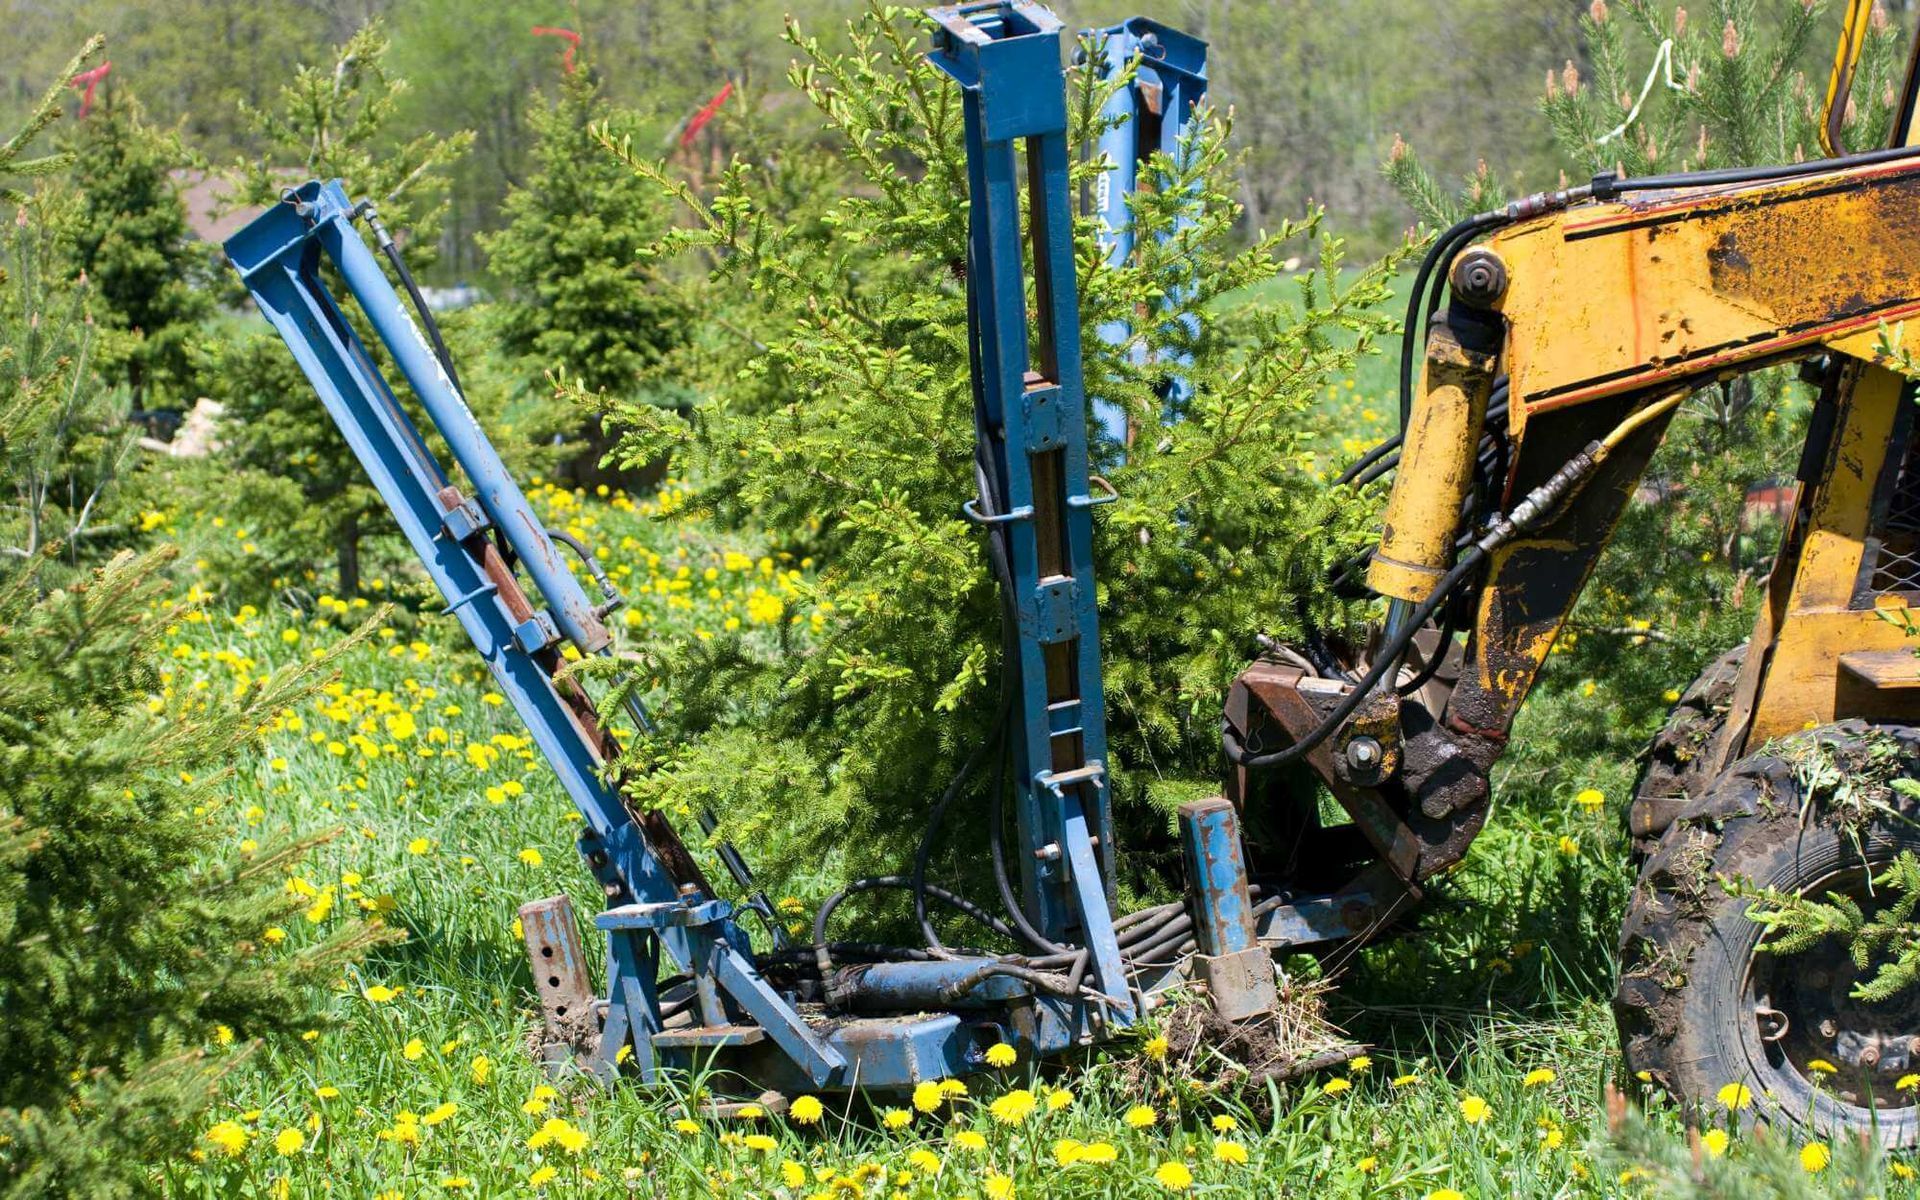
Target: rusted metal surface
1236	969
570	1026
661	837
1612	299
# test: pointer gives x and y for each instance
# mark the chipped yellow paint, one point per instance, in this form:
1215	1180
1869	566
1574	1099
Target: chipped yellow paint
1436	469
1823	620
1614	298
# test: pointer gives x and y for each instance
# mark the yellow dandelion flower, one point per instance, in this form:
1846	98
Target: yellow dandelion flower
749	1112
1822	1066
1367	1165
807	1110
1222	1123
952	1087
415	1050
1908	1083
1156	1048
1001	1055
1714	1142
230	1136
1014	1107
926	1096
531	857
1358	1064
1445	1194
1066	1151
288	1142
1734	1096
558	1131
1230	1152
1814	1157
275	934
685	1126
1901	1170
1333	1087
793	1174
924	1161
1173	1176
380	993
1140	1116
481	1070
969	1139
1590	799
1475	1110
997	1186
419	845
759	1143
896	1118
441	1113
542	1177
1401	1081
1538	1077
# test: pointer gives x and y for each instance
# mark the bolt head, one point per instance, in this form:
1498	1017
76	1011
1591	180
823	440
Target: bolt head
1364	753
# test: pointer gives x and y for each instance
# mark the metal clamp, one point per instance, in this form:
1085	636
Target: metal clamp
1094	772
1112	494
971	509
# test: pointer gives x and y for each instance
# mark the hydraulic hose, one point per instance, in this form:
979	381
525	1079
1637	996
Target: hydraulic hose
823	957
937	817
1538	503
384	241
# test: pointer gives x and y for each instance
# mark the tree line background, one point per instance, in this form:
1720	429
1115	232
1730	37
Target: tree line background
1319	91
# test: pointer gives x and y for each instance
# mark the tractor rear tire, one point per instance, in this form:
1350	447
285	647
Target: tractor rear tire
1676	771
1701	1009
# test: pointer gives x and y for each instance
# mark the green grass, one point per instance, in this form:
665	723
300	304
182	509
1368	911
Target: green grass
1492	1040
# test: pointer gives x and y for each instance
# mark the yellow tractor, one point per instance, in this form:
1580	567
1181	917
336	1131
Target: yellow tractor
1574	324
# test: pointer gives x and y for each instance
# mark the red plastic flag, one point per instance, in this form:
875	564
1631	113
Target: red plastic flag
88	80
572	38
701	118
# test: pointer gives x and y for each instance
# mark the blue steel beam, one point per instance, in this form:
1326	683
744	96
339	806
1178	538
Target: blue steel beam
279	256
1151	114
1030	418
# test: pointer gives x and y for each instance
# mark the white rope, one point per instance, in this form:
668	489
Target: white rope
1662	61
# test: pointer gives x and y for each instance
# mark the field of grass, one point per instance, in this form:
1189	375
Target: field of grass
1490	1040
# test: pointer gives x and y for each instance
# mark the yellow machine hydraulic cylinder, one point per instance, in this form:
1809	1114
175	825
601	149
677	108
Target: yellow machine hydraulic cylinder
1436	468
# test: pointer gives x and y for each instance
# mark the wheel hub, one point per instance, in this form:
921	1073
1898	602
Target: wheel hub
1812	1025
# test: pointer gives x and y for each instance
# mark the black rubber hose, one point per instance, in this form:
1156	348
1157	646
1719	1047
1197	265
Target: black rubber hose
1440	649
1603	187
918	881
823	959
1413	329
1386	660
385	241
1009	900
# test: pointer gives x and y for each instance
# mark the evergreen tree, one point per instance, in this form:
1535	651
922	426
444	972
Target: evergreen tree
135	964
580	298
150	276
886	676
329	122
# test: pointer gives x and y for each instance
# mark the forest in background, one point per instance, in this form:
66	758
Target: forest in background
1319	91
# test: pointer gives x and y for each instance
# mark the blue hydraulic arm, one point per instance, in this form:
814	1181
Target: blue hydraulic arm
659	898
1037	500
1151	114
